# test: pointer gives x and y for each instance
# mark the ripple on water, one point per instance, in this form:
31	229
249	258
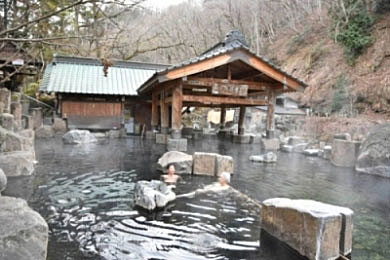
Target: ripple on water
96	211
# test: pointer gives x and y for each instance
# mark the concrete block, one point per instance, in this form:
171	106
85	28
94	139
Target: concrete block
256	139
204	163
177	144
150	135
197	135
270	144
314	229
162	138
241	139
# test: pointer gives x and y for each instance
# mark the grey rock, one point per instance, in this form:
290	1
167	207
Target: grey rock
344	153
316	230
100	135
16	110
113	134
45	131
10	141
3	181
79	137
17	163
5	99
23	232
374	153
59	125
269	157
287	148
7	121
224	164
311	152
181	161
153	194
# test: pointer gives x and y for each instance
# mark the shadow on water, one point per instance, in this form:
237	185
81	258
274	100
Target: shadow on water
85	194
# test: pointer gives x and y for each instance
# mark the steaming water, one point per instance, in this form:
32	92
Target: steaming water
85	194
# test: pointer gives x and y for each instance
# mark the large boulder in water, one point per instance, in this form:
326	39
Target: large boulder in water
344	152
181	161
23	232
374	153
79	137
314	229
152	194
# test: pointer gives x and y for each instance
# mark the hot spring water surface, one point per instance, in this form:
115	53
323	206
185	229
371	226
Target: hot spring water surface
85	194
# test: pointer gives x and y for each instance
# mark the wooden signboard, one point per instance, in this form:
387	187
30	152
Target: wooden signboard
230	90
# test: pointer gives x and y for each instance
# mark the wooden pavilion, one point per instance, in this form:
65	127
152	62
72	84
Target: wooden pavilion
228	75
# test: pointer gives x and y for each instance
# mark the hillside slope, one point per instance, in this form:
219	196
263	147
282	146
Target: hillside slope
315	58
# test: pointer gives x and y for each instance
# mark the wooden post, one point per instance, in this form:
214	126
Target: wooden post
271	113
177	104
241	120
154	122
164	110
223	117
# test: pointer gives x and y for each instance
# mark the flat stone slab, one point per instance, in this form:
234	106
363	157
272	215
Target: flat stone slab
177	144
152	194
23	232
314	229
269	157
181	161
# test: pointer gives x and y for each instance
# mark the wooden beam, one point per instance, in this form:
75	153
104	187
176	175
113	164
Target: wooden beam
210	82
224	100
274	73
197	67
271	113
164	111
177	105
154	122
223	117
241	120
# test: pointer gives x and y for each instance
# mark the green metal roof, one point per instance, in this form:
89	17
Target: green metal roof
85	76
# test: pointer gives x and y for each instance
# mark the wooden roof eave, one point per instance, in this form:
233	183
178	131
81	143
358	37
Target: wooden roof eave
242	54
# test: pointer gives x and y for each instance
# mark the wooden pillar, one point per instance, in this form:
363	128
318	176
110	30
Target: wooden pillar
241	120
223	117
177	105
164	111
271	114
154	122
